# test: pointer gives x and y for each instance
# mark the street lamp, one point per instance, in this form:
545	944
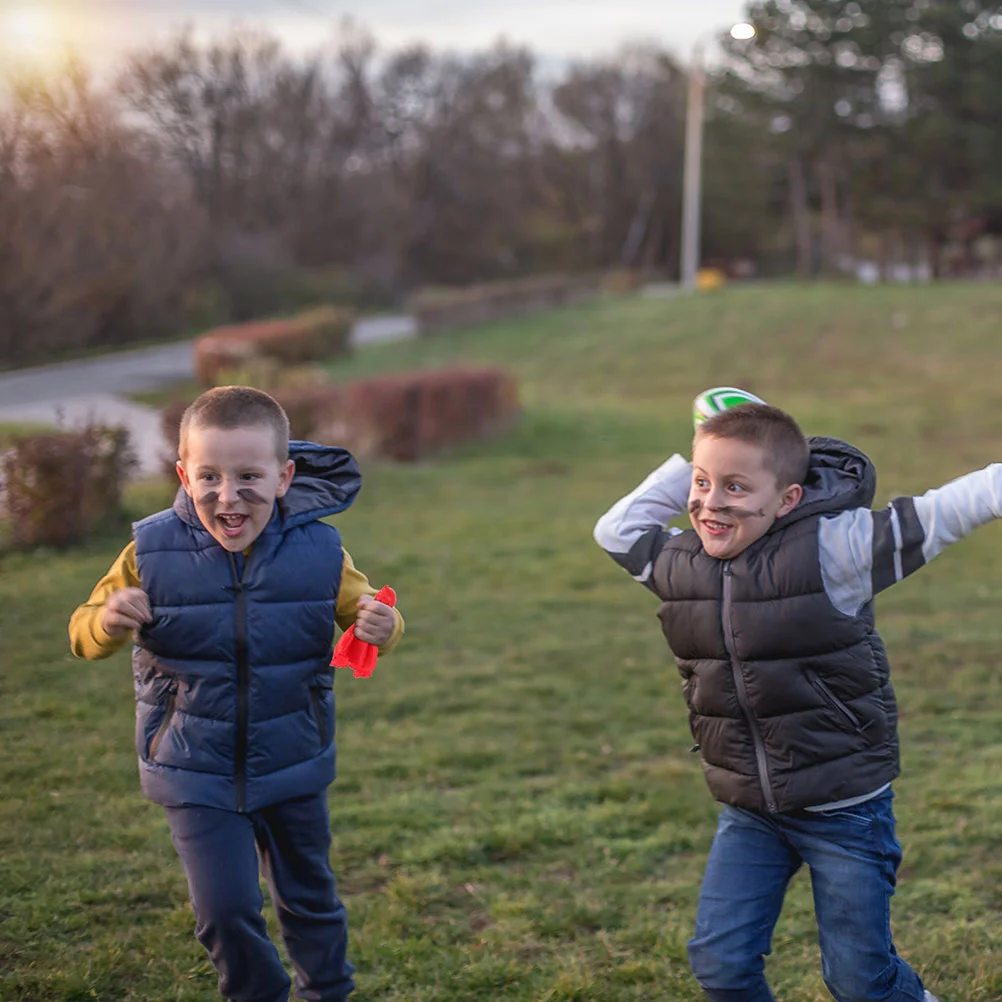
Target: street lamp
692	178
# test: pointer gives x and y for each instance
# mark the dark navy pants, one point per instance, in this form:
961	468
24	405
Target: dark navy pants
220	850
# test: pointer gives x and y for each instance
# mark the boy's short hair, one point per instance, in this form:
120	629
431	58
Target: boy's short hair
786	450
236	407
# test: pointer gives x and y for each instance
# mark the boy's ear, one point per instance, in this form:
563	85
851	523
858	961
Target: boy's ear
183	477
285	478
791	498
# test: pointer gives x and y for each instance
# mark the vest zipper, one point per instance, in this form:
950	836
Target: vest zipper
742	693
243	682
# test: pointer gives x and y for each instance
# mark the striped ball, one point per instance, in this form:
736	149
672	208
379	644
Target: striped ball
720	398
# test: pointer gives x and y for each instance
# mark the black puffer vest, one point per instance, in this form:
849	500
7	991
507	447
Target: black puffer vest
789	699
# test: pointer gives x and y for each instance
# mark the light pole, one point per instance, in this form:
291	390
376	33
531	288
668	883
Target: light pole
692	177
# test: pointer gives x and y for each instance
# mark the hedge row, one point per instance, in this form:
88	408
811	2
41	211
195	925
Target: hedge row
439	309
414	415
307	337
402	417
59	486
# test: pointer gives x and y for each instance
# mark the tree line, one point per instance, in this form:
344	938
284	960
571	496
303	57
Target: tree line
234	178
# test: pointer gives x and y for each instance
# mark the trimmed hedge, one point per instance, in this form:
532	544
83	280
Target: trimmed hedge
307	337
410	416
439	309
59	486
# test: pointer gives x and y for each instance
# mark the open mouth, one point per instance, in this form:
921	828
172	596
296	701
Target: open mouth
232	525
715	528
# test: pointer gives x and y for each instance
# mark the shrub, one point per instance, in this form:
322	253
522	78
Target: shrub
408	416
328	334
316	413
308	337
268	375
61	485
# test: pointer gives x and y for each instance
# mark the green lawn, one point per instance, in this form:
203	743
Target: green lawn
518	817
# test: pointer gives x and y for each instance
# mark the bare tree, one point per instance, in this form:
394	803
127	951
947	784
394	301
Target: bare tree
98	238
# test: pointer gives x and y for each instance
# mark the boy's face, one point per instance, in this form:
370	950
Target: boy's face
734	497
234	476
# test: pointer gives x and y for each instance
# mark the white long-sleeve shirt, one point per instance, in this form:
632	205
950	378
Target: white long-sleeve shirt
862	551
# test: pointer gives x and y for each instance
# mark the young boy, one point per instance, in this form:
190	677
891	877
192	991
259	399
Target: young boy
767	605
231	597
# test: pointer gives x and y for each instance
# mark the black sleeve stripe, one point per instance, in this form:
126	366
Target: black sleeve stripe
883	551
912	535
642	553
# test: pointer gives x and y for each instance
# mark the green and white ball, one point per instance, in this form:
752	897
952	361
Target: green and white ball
720	398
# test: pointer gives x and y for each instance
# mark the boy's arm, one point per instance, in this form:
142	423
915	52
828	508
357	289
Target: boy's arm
863	552
88	638
633	530
354	584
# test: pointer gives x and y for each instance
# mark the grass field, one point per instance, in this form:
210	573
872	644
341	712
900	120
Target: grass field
517	816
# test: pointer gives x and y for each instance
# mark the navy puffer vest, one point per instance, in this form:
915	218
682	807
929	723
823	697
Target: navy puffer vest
789	699
234	698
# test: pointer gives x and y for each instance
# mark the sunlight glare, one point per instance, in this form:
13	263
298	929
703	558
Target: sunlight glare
26	29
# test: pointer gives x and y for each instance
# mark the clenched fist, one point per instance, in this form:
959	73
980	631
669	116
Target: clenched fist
127	609
374	621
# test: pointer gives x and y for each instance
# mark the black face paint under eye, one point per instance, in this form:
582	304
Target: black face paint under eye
696	506
251	496
247	494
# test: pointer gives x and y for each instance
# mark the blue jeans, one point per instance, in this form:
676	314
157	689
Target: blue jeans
219	850
853	856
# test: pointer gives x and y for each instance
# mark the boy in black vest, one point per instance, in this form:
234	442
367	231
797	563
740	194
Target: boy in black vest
767	605
232	596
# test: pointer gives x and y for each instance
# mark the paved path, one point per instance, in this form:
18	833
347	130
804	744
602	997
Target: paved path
75	393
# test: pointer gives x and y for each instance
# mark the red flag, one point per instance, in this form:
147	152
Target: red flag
360	656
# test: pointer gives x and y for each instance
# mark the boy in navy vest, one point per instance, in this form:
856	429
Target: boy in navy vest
232	596
767	605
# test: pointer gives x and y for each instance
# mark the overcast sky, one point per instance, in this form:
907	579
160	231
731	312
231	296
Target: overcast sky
556	29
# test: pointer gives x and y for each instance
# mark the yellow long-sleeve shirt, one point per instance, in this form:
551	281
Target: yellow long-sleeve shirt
90	640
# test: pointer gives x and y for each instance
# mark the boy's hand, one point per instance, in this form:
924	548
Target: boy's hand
127	609
374	621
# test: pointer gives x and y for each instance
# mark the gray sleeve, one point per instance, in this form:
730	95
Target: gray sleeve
863	552
633	530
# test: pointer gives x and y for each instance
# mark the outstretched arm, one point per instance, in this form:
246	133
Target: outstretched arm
633	530
863	552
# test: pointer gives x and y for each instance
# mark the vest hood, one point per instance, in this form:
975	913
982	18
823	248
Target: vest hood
326	481
839	477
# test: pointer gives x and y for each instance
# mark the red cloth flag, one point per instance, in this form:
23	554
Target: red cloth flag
360	656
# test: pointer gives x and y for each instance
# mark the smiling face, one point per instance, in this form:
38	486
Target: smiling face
735	497
234	476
